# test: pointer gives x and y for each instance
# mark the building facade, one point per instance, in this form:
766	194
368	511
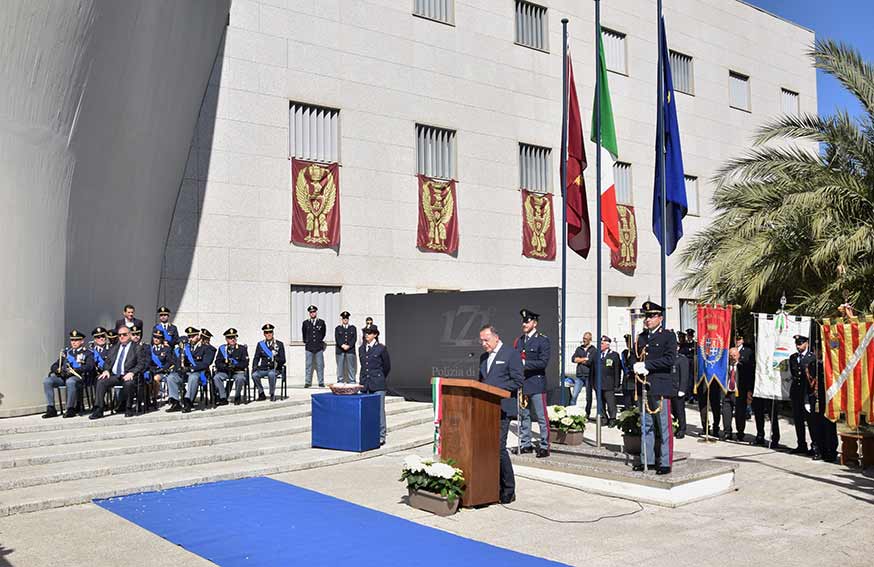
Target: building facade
377	84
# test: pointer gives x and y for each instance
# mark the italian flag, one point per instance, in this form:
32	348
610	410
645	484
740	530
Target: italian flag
609	153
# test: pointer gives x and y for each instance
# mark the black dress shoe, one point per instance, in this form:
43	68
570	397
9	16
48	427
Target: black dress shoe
774	445
129	413
518	451
186	405
680	435
541	453
50	412
70	413
174	406
817	457
272	398
305	386
639	467
740	437
96	414
236	400
663	470
221	402
508	499
800	450
261	397
760	441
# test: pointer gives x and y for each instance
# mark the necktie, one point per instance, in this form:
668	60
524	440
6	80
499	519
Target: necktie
731	379
119	364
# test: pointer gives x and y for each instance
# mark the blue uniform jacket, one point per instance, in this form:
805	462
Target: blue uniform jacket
347	336
204	355
660	360
260	361
375	366
165	355
84	365
240	353
506	373
536	358
170	331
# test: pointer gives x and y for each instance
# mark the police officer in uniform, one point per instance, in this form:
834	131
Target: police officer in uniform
345	337
802	367
194	361
313	331
111	338
375	367
269	361
70	369
533	347
825	430
175	378
99	348
658	356
231	363
169	332
160	361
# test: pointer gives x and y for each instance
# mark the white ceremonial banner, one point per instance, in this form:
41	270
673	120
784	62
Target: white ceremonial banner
775	343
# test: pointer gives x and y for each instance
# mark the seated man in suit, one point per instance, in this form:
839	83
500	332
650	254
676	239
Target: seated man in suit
123	364
501	366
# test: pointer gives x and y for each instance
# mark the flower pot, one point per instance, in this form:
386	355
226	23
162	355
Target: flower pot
431	502
565	437
631	444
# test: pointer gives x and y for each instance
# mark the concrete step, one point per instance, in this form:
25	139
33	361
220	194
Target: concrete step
296	421
269	443
166	424
70	492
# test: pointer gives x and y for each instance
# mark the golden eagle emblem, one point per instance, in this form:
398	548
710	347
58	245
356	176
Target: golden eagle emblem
538	216
627	237
316	194
438	206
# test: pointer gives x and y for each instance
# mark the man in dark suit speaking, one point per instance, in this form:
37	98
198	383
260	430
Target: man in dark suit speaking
501	366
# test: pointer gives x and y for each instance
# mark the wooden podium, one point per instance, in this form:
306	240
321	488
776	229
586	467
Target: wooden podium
470	434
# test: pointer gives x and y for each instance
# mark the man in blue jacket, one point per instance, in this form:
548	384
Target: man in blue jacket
375	366
501	366
533	347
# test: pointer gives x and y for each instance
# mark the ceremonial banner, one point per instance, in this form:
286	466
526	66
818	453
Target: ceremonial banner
714	340
848	359
438	216
625	258
538	230
315	206
775	343
578	229
602	116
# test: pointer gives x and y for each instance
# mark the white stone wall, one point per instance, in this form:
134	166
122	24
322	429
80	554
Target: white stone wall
386	70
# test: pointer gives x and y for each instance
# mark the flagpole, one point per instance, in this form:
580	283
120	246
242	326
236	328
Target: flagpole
598	405
564	134
661	161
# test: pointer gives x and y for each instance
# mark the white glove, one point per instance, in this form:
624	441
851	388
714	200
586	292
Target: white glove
681	393
807	408
640	368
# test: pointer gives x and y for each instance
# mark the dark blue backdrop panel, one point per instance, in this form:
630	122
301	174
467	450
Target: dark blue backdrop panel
260	522
347	423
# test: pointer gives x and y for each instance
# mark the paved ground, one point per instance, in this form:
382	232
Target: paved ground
788	511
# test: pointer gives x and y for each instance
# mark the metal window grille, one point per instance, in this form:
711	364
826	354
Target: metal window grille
689	314
435	152
692	194
614	51
622	179
789	102
738	91
531	25
681	73
326	298
439	10
313	133
534	168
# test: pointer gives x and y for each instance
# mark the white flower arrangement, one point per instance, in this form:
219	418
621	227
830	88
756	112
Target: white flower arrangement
566	418
442	478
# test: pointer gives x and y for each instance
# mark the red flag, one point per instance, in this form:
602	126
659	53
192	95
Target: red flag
315	209
438	216
538	230
578	230
624	258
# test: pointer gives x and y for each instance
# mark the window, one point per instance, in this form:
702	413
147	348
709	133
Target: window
789	100
738	91
531	26
614	51
692	194
326	298
435	152
438	10
622	179
689	315
534	168
618	320
681	73
313	133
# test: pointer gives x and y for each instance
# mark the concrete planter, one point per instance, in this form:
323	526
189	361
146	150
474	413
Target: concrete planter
565	437
431	502
631	444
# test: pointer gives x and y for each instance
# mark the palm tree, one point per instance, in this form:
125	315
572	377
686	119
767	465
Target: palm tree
796	214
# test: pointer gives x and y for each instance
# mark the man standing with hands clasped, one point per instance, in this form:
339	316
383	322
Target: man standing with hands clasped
313	333
533	348
501	366
345	337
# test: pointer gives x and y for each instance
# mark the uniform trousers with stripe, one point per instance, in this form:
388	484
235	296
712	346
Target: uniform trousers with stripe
537	404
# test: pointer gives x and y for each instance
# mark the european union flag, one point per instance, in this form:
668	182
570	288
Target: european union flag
675	182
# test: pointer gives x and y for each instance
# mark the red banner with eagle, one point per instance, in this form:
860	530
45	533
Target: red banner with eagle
624	259
438	216
538	228
848	361
315	204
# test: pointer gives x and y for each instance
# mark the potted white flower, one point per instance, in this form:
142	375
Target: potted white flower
435	487
566	424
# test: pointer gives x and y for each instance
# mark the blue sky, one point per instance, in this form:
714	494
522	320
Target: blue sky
849	21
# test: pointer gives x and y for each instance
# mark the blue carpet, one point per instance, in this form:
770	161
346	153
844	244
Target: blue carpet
260	521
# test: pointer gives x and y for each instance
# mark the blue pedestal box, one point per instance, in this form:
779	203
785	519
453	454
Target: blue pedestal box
347	423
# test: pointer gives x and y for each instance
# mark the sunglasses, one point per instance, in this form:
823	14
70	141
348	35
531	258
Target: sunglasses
123	334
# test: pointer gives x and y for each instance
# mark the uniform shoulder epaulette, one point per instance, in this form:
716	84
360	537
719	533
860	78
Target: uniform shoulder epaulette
542	334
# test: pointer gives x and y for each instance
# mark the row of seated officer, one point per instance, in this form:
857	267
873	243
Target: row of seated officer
137	370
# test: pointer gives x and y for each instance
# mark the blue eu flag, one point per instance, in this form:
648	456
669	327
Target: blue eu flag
675	183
